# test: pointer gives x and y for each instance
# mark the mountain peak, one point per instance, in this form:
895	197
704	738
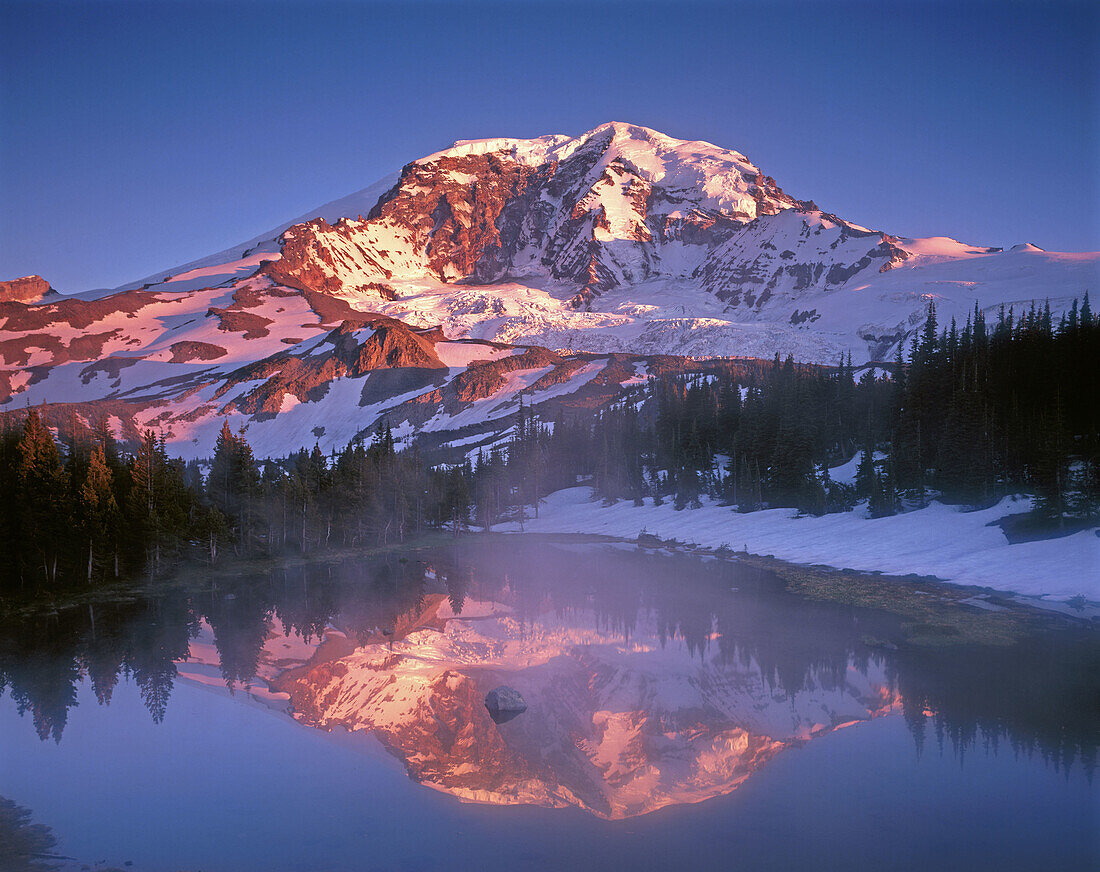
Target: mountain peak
612	134
529	152
696	173
624	130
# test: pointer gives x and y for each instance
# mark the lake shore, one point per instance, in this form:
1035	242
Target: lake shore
935	611
939	541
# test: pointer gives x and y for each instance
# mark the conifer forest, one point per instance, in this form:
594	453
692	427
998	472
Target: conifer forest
971	413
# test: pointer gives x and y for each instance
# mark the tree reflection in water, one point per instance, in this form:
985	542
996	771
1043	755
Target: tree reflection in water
24	845
1036	695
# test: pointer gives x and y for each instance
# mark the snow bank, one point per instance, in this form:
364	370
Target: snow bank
939	540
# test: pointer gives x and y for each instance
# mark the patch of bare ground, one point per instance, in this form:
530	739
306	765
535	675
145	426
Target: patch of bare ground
188	350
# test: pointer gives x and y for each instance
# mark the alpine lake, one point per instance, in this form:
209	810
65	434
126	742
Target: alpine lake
679	709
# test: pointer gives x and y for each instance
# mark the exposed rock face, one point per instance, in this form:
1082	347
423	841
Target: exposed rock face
353	349
390	344
597	211
185	352
504	703
20	351
17	317
29	289
782	257
252	326
454	207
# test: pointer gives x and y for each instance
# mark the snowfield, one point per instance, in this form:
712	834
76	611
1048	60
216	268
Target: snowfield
939	540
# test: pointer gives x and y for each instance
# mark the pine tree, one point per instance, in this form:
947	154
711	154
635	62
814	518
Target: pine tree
866	476
44	507
233	485
158	509
99	513
1051	469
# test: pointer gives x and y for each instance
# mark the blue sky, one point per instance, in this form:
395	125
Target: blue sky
137	136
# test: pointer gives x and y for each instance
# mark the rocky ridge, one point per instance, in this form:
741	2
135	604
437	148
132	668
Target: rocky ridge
28	289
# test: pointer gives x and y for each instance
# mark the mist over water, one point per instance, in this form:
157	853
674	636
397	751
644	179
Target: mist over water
667	695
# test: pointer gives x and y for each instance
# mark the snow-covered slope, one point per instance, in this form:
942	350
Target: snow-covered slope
965	547
292	367
254	249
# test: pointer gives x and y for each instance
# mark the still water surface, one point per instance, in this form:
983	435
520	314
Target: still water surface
681	712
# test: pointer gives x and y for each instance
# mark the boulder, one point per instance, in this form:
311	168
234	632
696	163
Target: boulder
504	703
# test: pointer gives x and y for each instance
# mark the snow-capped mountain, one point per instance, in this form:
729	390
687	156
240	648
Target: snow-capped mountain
624	239
620	240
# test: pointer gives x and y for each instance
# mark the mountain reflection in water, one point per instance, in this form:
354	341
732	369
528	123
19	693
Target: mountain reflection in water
651	679
617	724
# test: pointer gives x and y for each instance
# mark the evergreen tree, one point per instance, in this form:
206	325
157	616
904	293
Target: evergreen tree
99	515
233	485
42	498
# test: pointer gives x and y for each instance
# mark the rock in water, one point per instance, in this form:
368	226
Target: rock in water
504	703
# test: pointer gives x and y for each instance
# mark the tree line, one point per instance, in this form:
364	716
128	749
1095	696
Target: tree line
969	414
81	510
